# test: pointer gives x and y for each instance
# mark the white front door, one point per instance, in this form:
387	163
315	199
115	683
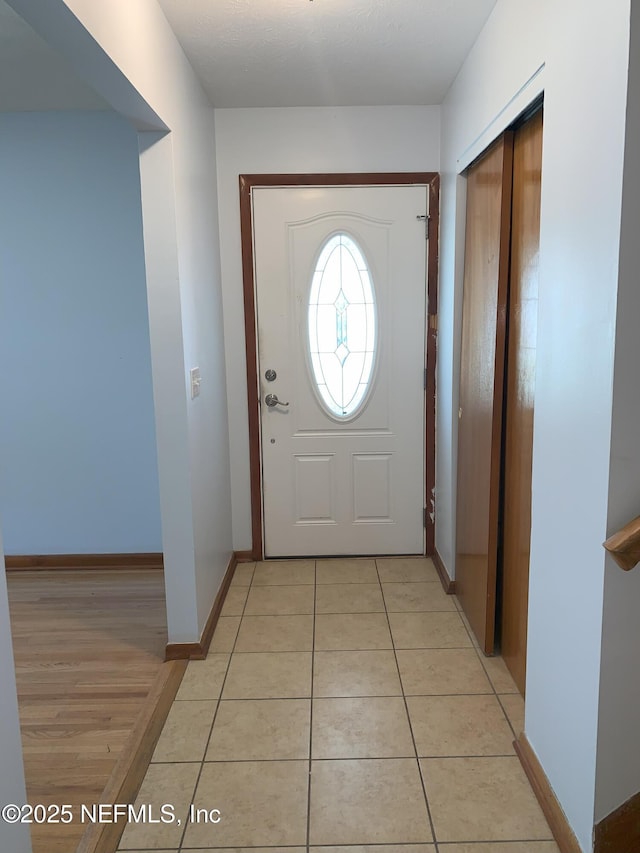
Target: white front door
340	295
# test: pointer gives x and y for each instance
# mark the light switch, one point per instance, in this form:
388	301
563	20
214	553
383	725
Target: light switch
194	374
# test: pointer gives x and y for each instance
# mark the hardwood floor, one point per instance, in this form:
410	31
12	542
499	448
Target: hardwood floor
88	646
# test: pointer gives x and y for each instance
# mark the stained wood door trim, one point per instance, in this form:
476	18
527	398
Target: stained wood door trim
247	182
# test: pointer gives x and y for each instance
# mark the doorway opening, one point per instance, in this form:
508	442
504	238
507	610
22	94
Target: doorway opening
249	183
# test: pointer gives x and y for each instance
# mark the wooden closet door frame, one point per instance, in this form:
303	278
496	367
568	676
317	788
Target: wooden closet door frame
481	607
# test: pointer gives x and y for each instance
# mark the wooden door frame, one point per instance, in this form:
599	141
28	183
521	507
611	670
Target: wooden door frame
247	182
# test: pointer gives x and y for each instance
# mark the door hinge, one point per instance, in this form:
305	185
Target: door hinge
424	217
426	379
424	517
433	322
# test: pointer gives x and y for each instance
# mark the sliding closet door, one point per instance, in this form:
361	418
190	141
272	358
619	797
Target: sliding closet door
481	385
521	373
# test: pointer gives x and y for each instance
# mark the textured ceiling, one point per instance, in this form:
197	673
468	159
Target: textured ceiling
33	76
269	53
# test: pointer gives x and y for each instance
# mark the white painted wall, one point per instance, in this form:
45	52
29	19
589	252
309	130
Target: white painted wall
618	765
130	56
584	49
77	445
262	141
170	393
14	837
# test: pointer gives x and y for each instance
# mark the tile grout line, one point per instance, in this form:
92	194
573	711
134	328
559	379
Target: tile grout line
339	758
443	844
339	612
213	721
313	652
376	649
331	696
415	748
504	711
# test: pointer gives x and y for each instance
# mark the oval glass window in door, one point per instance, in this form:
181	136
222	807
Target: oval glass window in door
342	326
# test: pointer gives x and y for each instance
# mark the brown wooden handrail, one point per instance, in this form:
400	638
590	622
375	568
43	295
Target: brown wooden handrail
624	546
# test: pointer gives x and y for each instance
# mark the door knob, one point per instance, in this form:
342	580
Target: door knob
272	400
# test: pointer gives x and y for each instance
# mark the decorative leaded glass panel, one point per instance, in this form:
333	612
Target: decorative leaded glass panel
342	326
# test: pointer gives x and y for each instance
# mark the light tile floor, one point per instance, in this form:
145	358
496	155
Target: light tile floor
343	704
